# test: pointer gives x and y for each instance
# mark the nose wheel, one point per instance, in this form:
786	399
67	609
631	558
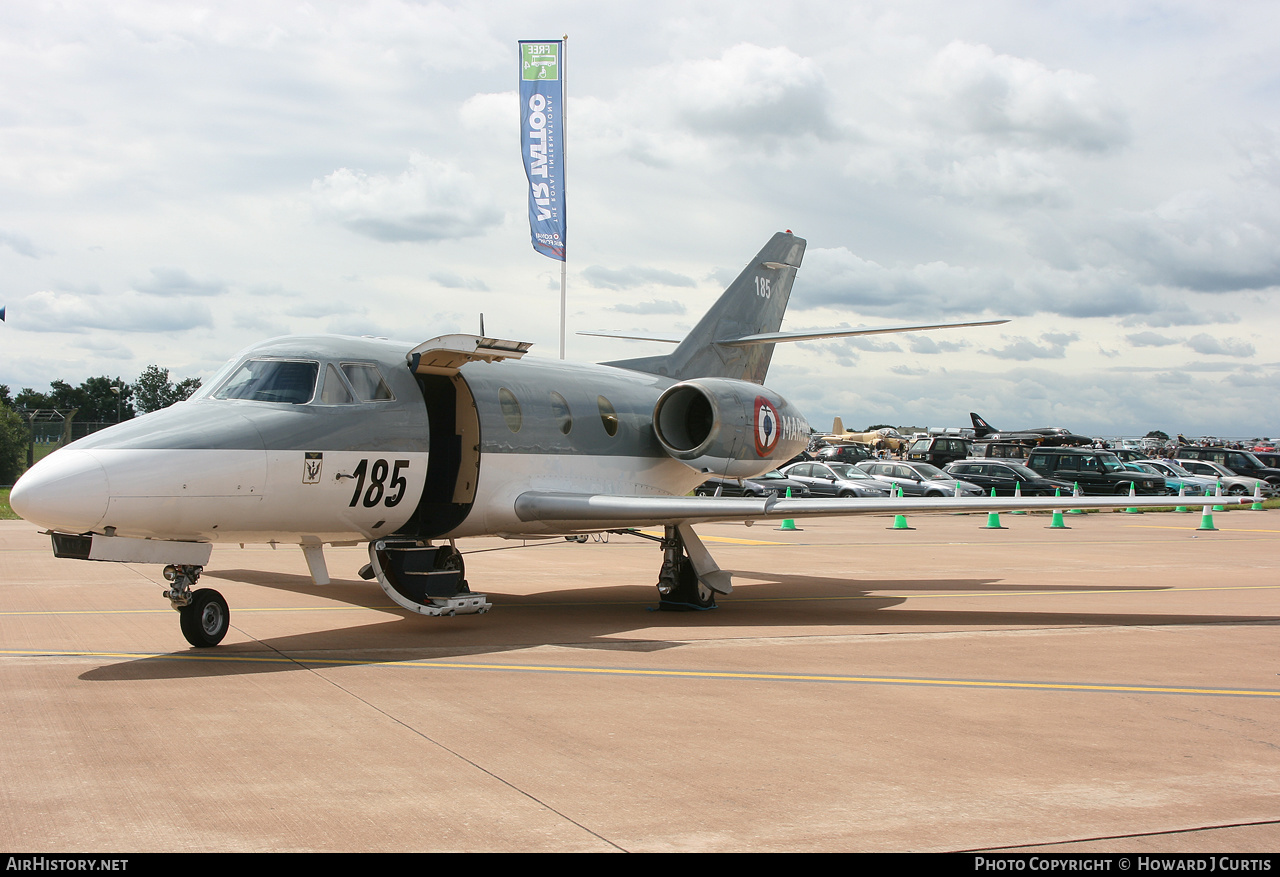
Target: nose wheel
205	619
203	614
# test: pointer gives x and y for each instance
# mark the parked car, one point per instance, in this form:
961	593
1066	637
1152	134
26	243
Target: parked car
939	449
1242	463
1270	459
1169	469
1097	472
1172	483
1236	485
1130	455
836	479
850	453
1001	450
769	484
1004	477
918	479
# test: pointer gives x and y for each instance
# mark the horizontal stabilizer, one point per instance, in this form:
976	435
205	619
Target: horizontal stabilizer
775	337
629	337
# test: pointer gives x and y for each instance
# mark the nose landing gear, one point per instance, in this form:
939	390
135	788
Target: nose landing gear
204	614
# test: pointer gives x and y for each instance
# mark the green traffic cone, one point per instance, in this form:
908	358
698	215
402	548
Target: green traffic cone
899	521
1257	497
993	518
1076	491
1057	523
788	523
1182	491
1133	492
1206	520
1218	506
1017	494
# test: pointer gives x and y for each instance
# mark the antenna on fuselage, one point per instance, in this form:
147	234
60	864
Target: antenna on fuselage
482	325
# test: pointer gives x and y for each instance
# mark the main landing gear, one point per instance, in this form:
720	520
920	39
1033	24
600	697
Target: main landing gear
689	578
679	589
204	614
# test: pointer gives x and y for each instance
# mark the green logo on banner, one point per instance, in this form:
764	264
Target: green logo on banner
540	61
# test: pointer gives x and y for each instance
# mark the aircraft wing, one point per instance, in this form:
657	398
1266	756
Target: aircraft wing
582	512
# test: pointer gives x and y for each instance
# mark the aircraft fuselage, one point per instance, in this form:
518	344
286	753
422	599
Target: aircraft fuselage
439	456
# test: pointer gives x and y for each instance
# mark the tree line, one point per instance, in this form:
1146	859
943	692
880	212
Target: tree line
100	399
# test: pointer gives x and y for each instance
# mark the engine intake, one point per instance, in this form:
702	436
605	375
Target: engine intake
735	429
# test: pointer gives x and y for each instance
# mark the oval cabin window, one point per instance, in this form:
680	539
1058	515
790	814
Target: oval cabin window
510	409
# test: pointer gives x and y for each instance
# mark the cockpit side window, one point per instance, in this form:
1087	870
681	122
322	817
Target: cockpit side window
367	381
335	390
287	381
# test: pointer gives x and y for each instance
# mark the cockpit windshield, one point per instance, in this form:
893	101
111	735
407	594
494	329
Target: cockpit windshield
272	380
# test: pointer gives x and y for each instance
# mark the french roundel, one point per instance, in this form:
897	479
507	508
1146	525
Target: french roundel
767	427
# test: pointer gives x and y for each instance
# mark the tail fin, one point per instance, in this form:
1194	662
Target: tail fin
753	304
981	429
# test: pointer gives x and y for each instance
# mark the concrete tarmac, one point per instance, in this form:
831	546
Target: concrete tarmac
1109	687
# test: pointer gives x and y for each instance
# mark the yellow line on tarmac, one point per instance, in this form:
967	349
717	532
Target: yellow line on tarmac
668	674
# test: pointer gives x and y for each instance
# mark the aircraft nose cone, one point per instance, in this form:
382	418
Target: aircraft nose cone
66	491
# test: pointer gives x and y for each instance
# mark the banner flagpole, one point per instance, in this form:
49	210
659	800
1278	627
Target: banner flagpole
564	102
542	146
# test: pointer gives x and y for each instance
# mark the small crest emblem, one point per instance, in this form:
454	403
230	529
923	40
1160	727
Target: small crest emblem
311	467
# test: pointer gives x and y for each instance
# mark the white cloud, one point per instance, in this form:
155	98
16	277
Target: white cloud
1220	346
175	281
1203	241
128	312
633	276
1003	98
431	201
651	307
752	93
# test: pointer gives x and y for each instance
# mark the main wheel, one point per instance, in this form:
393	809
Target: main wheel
689	594
206	619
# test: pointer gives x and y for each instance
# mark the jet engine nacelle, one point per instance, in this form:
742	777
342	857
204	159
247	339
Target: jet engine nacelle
734	429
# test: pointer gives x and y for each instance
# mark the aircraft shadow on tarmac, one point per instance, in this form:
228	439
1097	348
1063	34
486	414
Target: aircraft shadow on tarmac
591	618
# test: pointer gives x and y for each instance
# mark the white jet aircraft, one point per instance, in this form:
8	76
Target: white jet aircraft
329	440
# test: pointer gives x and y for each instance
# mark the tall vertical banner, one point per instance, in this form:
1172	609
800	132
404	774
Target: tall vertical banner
542	138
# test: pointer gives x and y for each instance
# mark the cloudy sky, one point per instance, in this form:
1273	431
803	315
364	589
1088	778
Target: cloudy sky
180	180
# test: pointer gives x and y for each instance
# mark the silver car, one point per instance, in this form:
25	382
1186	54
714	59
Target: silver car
1236	485
836	479
919	479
